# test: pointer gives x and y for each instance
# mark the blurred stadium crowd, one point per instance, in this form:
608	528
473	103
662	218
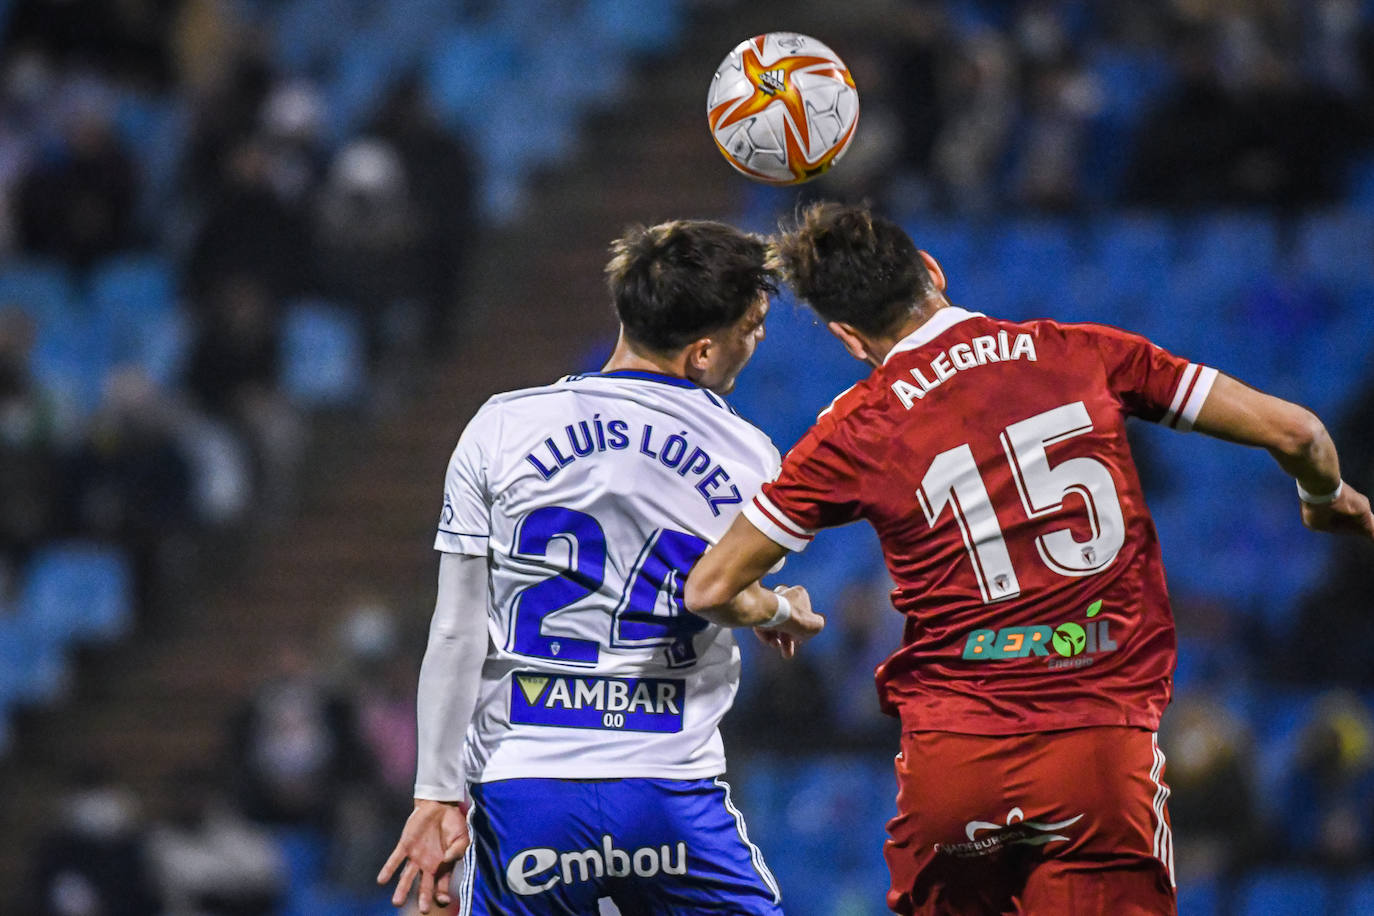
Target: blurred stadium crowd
221	217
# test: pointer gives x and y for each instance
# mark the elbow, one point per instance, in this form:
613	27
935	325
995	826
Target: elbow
704	592
1299	435
695	594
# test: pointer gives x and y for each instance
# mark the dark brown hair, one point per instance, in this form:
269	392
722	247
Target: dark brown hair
678	281
852	266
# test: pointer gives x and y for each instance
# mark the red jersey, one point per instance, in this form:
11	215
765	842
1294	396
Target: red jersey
991	458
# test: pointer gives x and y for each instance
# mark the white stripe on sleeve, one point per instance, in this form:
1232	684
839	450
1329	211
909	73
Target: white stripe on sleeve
766	517
1179	393
1201	388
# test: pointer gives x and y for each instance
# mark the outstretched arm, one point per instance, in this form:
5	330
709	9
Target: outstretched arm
435	835
724	588
1299	443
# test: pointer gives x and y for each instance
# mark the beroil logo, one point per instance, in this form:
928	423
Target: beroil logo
1074	644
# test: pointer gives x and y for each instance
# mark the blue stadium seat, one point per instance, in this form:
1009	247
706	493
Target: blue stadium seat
11	644
407	28
1332	360
44	290
1284	892
503	197
1188	314
1131	83
572	77
77	590
1276	717
983	290
954	243
970	17
1085	295
529	136
70	361
1033	257
1357	896
32	668
134	298
304	851
1360	185
829	809
308	33
155	130
323	355
1213	545
1356	306
134	288
471	76
326	898
1134	252
632	25
1199	898
1335	247
361	76
1229	251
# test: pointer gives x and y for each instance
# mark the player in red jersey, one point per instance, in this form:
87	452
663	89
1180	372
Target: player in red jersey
991	458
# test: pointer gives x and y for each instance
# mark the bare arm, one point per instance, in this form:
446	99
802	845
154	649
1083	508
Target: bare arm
1299	443
724	585
435	835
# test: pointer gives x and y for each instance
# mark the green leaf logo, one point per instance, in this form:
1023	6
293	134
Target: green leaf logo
1069	639
1094	608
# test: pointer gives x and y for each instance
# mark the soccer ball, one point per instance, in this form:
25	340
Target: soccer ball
782	108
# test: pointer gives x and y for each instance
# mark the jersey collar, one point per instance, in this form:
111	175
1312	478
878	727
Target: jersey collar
643	375
937	324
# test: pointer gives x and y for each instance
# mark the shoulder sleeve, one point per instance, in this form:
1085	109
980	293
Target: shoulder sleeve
1151	382
465	520
817	487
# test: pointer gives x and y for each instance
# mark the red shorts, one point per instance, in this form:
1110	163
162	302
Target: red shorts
1062	823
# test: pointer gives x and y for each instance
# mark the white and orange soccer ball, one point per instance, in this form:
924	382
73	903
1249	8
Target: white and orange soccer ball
782	108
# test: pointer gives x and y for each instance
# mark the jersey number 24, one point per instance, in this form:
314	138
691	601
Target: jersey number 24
658	572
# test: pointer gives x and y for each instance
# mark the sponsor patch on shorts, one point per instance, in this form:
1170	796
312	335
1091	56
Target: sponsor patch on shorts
633	704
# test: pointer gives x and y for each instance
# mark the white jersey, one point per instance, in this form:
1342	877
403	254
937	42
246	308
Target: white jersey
591	499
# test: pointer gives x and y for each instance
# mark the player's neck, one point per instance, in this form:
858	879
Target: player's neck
624	357
880	347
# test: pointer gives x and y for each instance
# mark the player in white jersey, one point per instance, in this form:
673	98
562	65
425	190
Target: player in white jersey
566	694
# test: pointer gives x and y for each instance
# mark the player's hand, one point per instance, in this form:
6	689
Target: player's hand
797	629
1349	514
777	639
434	838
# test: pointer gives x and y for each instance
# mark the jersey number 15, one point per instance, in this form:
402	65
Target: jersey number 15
953	480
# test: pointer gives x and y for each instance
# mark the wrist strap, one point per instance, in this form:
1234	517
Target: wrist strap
781	616
1315	499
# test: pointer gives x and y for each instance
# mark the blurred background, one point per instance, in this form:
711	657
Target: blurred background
261	259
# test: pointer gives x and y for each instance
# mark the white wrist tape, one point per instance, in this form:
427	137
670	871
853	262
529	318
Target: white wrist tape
781	616
1316	499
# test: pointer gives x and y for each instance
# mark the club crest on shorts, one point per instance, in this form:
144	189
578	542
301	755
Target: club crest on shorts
1016	832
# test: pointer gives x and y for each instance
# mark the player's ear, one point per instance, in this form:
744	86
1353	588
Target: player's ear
937	273
697	356
850	338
